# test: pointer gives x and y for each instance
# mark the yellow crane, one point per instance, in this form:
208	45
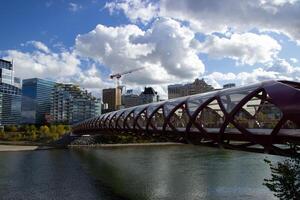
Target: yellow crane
117	76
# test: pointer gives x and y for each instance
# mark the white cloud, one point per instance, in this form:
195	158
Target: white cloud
39	45
277	2
209	16
294	60
74	7
41	64
64	66
280	70
218	79
136	10
281	66
247	48
165	50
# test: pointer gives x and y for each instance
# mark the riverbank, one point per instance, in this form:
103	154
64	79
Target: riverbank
21	146
17	148
4	147
128	145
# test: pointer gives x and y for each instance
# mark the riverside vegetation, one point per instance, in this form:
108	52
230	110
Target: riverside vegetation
285	179
32	133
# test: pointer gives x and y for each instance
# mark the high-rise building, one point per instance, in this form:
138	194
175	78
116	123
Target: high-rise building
36	100
180	90
111	99
149	95
229	85
10	95
70	104
175	91
129	99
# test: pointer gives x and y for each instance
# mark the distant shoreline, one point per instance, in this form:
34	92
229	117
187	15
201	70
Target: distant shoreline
128	145
12	147
19	146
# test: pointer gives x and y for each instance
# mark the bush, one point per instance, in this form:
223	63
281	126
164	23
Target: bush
2	134
44	132
60	130
11	128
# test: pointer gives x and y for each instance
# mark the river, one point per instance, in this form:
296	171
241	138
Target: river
183	172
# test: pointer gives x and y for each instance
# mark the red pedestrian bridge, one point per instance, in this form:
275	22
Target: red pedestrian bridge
264	115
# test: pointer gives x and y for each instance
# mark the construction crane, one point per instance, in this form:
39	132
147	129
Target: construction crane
118	88
119	75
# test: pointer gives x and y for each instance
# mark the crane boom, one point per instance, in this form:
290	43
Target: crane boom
119	75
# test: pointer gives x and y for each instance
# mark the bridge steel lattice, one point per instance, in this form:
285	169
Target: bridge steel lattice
265	114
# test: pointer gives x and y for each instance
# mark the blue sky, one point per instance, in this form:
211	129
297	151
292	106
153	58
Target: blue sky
175	41
49	21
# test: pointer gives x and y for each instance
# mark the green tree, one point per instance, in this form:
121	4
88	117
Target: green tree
285	179
60	130
53	129
11	128
26	128
32	135
68	128
44	131
2	134
32	128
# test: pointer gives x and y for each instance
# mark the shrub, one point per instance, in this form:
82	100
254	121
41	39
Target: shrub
285	179
2	134
11	128
44	132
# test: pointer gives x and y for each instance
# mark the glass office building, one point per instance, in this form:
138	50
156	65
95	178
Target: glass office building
36	100
10	95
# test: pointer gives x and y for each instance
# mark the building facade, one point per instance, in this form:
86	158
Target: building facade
70	104
10	95
111	99
149	95
129	99
36	100
180	90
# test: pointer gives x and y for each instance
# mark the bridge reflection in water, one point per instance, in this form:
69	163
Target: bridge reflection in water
265	115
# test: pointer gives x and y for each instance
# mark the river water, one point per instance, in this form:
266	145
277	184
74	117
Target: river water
158	172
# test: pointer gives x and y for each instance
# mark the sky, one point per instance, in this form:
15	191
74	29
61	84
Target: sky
84	41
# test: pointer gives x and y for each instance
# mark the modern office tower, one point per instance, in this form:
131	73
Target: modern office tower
180	90
129	99
36	100
10	95
149	95
70	104
111	99
228	85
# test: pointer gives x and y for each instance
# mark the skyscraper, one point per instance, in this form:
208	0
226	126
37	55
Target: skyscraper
129	99
111	99
10	95
36	100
